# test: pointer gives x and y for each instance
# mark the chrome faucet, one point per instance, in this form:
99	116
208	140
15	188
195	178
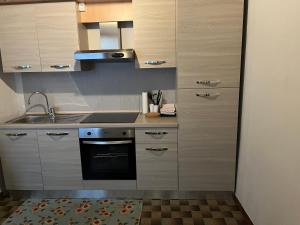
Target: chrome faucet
51	111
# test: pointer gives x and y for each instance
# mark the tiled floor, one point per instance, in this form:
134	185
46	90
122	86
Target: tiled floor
171	212
192	212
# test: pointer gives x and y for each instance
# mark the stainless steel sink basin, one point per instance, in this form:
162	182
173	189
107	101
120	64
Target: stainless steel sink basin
45	119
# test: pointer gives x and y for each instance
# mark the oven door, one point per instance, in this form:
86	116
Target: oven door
108	159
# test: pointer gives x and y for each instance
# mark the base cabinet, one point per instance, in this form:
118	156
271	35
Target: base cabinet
157	167
60	159
20	160
49	159
156	159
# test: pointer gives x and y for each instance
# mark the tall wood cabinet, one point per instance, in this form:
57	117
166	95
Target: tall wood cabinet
209	39
40	37
154	33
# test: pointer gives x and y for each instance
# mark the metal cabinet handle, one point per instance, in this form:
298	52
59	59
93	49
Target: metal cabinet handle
157	149
208	95
23	67
156	133
209	82
156	63
107	142
57	134
16	135
59	67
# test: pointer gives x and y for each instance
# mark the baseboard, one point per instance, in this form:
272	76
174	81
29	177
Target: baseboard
120	194
243	211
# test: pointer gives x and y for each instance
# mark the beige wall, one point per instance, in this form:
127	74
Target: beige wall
110	87
268	176
11	97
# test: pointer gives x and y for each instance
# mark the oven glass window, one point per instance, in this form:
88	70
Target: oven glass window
111	161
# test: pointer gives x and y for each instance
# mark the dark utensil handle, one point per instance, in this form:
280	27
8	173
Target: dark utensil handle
117	55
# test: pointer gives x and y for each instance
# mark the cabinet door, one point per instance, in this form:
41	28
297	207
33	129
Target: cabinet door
154	33
60	158
207	139
157	167
209	39
20	160
57	29
18	39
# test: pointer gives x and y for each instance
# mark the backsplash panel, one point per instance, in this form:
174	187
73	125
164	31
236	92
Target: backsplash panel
109	87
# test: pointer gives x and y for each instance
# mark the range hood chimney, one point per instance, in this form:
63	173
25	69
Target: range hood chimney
110	45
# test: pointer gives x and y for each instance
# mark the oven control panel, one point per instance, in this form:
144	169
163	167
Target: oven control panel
106	133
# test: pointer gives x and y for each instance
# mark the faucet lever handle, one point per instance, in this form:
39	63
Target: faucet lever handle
52	112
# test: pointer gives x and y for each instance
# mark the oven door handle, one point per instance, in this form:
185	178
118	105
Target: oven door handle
107	142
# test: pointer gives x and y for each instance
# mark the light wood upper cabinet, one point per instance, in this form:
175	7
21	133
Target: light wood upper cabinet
57	30
154	33
41	37
209	40
20	160
60	159
18	39
207	138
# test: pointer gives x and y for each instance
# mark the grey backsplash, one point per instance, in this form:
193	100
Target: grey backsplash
109	87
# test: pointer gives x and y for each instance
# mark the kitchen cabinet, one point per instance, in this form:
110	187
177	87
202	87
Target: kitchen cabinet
154	33
60	159
58	32
157	166
156	159
209	40
41	37
209	43
20	160
207	138
18	39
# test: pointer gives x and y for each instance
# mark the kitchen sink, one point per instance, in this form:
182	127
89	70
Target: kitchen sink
43	118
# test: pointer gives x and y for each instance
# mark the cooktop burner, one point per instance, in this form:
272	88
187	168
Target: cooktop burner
111	118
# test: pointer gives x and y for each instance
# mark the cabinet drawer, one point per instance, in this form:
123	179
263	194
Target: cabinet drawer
157	167
156	135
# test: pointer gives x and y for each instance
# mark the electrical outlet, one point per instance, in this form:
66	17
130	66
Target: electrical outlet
82	7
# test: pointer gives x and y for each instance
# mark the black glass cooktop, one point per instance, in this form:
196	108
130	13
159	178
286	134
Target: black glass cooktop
111	118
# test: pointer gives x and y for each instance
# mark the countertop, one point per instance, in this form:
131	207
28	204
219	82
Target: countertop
141	122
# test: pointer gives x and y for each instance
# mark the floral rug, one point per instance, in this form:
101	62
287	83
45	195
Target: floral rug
65	211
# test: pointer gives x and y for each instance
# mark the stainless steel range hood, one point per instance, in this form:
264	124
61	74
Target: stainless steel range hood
107	45
109	55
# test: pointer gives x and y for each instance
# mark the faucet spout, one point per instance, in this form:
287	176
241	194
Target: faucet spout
51	111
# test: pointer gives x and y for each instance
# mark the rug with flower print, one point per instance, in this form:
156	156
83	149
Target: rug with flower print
65	211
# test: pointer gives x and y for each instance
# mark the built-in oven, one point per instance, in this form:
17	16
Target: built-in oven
107	153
